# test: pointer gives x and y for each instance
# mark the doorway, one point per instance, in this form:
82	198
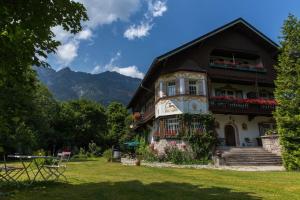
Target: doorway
230	135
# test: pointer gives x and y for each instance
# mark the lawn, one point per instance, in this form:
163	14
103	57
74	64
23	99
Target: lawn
98	179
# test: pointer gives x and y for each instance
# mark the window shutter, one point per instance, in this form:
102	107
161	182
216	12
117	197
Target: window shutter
157	92
164	91
161	127
186	84
177	86
202	87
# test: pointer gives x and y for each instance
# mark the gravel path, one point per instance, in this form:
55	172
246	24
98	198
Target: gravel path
209	166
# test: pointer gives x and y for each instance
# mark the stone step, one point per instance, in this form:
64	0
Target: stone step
254	160
254	163
252	156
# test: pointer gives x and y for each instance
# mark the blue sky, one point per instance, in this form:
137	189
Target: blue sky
126	35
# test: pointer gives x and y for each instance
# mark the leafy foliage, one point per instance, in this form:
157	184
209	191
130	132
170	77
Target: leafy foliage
287	93
202	142
118	123
107	154
177	156
26	38
78	123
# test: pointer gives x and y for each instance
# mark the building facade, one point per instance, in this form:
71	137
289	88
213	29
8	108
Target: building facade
228	72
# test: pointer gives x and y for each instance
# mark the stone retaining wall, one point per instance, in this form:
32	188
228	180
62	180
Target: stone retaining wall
271	143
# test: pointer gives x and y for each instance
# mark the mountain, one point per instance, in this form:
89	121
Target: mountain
105	87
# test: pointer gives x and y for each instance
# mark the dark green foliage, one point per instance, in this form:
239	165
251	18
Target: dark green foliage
78	123
25	29
107	154
203	142
117	122
26	36
177	156
287	93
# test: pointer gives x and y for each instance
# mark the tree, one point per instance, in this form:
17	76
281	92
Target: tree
287	93
117	116
79	122
25	29
26	38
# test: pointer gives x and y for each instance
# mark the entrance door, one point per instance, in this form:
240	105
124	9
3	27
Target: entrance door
230	136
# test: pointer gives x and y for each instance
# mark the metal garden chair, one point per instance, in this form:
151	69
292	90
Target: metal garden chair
58	167
9	173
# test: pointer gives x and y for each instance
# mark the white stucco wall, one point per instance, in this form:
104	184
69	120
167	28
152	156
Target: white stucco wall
181	103
252	131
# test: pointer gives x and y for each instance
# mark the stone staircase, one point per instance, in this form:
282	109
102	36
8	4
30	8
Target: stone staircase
250	156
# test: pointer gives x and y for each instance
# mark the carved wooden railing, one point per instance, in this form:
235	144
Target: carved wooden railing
242	106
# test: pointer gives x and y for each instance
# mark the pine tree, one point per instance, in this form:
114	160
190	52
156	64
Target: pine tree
287	93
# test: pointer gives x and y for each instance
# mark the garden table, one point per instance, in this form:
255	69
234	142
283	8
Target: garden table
32	165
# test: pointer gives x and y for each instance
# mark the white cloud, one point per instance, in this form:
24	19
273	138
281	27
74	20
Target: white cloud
60	34
131	71
67	52
102	12
137	31
156	8
84	34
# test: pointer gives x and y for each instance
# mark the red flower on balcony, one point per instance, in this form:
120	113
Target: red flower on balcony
259	101
137	116
170	133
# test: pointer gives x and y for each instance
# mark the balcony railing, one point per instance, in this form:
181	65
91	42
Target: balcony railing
140	118
238	65
241	106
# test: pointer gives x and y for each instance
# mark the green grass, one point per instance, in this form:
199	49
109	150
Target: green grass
101	180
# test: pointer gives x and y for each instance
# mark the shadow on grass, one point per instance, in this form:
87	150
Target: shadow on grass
125	190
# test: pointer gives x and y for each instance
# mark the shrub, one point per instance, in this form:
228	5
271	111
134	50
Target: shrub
177	156
201	141
107	154
81	155
94	150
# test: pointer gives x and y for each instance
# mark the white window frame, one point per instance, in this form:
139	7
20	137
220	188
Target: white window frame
194	86
171	88
196	125
172	124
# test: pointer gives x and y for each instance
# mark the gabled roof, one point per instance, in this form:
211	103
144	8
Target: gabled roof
198	40
214	32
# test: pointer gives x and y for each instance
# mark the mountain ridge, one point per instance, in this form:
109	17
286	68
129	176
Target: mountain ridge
104	88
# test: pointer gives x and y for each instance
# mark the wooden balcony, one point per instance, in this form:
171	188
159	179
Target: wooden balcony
141	118
226	105
237	65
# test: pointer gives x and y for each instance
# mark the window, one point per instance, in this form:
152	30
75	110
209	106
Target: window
193	87
239	94
172	126
196	125
264	127
230	93
251	95
220	93
171	88
264	95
